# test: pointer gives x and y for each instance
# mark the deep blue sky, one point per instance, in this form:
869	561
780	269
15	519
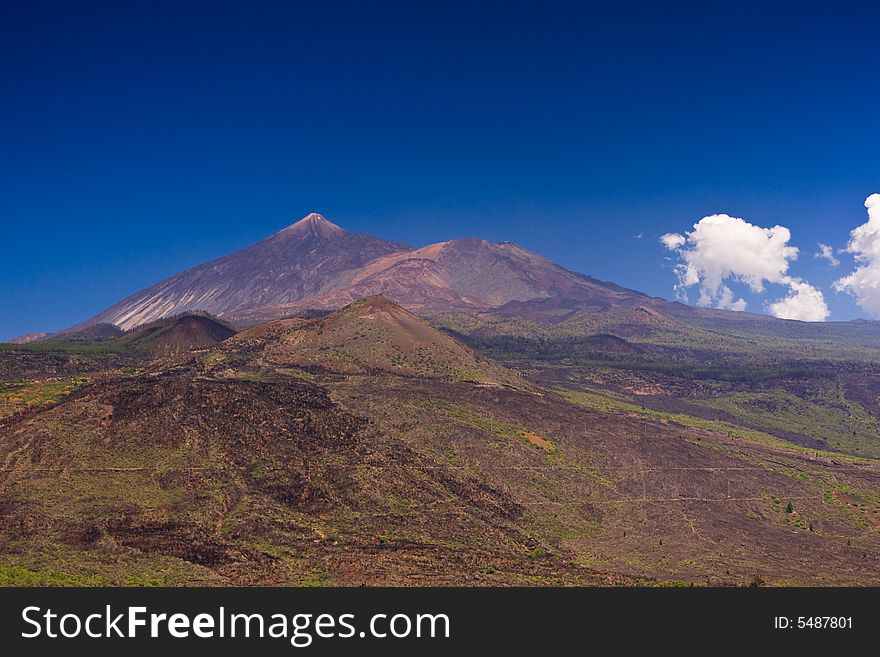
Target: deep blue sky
139	139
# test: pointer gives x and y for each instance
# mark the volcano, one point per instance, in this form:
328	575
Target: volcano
316	265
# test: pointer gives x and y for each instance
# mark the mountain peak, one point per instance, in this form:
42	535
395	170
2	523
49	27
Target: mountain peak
314	224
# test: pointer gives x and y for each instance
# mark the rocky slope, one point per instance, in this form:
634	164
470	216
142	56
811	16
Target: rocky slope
311	257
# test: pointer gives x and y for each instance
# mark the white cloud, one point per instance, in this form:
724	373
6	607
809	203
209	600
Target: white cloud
804	302
672	241
722	248
864	244
826	253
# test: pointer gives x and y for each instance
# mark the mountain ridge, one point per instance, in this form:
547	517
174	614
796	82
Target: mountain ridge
313	264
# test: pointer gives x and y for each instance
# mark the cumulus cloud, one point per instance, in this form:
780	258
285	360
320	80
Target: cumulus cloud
826	253
864	244
722	249
804	302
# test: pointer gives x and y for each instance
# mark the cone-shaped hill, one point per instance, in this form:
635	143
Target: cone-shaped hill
370	335
175	335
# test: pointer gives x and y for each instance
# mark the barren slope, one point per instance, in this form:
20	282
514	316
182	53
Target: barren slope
310	257
371	335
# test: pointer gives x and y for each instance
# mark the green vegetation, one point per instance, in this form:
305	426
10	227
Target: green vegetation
83	348
58	565
18	576
16	396
667	340
760	380
613	402
821	412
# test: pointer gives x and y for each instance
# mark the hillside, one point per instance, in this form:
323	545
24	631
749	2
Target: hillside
370	335
234	465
